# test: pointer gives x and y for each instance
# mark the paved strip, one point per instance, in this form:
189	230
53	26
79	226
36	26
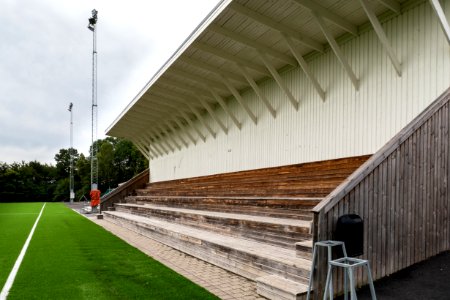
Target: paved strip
9	282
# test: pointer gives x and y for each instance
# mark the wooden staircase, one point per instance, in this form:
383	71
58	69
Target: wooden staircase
254	223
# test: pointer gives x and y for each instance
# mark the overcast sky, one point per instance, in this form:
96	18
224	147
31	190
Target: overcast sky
46	63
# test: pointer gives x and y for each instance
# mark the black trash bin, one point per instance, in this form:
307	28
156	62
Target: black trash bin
350	230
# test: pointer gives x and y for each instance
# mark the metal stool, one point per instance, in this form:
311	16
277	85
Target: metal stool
329	245
348	263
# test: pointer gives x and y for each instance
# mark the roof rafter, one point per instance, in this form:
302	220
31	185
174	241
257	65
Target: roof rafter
442	18
212	69
381	35
202	120
230	57
177	133
197	78
336	49
161	138
266	21
279	80
252	44
327	14
304	65
241	101
225	108
142	150
185	131
169	136
257	90
213	114
392	5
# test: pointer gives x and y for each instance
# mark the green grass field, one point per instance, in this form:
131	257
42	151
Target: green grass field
70	257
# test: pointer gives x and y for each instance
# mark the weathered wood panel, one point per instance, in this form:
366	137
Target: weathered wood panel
402	194
126	189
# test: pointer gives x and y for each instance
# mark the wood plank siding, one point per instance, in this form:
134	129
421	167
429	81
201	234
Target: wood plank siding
403	195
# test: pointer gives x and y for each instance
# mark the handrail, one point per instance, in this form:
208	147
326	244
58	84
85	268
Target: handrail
365	169
118	194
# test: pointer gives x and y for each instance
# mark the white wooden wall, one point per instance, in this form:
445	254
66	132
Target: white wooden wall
347	123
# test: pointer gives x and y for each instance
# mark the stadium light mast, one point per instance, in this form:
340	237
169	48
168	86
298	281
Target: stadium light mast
92	26
72	193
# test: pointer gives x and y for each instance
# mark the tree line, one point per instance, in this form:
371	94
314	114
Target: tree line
118	161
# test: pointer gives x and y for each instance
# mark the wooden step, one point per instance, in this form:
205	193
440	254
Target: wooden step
279	288
296	208
275	231
245	257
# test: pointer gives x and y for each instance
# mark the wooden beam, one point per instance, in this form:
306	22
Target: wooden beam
230	57
304	65
162	139
169	136
257	90
268	22
381	35
202	120
327	14
180	137
185	131
200	134
392	5
213	115
252	44
197	79
138	145
210	68
279	80
225	108
241	101
442	18
336	50
153	141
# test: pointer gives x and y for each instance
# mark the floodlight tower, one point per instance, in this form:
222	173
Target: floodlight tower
94	164
72	194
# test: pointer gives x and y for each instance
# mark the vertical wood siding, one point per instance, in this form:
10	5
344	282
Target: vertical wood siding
347	123
403	195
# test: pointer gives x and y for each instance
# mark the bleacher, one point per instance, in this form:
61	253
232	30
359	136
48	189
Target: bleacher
254	223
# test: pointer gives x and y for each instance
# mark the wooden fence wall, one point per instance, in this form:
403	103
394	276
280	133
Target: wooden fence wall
127	189
403	195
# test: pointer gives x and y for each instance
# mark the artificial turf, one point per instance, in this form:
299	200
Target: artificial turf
70	257
16	220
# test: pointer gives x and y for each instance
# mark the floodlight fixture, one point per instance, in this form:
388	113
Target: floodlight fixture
93	20
70	106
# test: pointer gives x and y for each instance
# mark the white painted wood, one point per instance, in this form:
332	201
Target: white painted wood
278	79
336	49
304	65
442	18
327	14
381	35
262	19
349	123
257	90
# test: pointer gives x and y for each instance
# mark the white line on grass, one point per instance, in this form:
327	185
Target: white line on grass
12	275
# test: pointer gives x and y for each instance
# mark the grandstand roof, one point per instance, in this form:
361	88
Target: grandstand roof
242	43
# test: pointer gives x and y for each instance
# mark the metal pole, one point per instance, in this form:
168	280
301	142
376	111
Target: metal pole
94	163
72	194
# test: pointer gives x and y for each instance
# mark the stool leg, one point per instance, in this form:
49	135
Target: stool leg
344	250
352	284
345	273
330	258
311	278
327	282
369	277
